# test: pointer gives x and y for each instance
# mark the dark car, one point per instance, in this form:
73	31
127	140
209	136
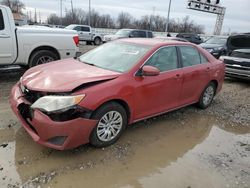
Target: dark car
217	46
238	59
191	37
172	38
128	33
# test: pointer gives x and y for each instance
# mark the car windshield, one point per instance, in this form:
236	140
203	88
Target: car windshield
123	32
115	56
217	40
70	27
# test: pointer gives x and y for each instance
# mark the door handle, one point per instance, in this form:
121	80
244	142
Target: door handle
177	76
4	36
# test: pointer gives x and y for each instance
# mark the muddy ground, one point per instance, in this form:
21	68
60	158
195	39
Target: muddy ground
187	148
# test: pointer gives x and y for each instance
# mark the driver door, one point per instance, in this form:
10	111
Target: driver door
156	94
8	51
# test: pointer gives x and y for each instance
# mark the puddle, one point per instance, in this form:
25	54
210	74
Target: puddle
8	169
180	149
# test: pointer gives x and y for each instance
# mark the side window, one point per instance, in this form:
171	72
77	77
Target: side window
150	34
189	56
135	34
164	59
142	34
203	59
1	21
85	29
77	28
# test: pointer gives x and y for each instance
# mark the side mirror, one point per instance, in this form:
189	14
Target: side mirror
150	71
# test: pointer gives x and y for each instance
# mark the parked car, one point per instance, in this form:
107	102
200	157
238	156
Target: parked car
238	59
191	37
33	45
128	33
171	38
113	86
217	46
86	33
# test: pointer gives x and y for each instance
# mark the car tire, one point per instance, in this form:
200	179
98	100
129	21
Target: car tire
112	121
41	57
97	41
207	96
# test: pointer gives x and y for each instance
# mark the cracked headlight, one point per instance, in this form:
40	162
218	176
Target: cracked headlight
55	103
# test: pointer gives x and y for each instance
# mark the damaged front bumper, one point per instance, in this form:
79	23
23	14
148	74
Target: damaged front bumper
45	131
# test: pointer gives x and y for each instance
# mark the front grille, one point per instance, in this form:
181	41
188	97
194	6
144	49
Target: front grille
27	113
238	67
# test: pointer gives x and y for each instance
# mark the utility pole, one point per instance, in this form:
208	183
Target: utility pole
169	7
40	21
61	11
72	9
89	12
35	17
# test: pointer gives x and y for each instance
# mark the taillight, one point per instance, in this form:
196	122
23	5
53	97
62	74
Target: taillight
76	40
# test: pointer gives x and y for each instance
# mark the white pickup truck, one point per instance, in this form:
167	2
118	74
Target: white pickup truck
30	46
87	33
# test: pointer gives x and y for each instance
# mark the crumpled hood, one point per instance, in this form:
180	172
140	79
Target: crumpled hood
239	41
64	76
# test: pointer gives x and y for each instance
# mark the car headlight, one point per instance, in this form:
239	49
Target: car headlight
55	103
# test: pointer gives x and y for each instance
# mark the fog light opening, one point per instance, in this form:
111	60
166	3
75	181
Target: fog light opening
58	140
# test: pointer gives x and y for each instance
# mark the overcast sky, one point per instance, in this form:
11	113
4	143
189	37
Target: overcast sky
237	14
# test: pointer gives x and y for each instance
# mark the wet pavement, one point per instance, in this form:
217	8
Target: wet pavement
188	148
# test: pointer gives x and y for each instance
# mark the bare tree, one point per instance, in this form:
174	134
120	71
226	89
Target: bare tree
16	6
124	20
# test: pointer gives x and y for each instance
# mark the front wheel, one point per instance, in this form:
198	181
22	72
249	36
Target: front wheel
207	96
112	121
97	41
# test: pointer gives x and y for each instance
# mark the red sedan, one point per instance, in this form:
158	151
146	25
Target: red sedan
71	102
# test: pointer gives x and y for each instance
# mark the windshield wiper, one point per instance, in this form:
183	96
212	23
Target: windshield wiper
86	62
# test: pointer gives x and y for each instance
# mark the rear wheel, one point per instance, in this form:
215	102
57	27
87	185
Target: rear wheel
207	96
41	57
112	121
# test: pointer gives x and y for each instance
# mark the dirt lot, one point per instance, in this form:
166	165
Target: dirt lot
188	148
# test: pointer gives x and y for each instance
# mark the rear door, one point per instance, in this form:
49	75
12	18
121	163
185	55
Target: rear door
196	74
156	94
8	51
86	33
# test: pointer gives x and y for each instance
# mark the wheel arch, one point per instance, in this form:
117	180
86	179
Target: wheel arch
49	48
216	84
121	102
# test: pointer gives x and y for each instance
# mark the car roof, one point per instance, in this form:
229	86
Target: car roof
153	42
135	30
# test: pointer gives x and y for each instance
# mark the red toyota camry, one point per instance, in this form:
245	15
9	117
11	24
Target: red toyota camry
71	102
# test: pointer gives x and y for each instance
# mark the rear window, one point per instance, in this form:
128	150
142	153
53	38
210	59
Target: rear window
1	21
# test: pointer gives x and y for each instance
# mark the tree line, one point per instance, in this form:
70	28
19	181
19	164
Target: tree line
123	20
126	20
